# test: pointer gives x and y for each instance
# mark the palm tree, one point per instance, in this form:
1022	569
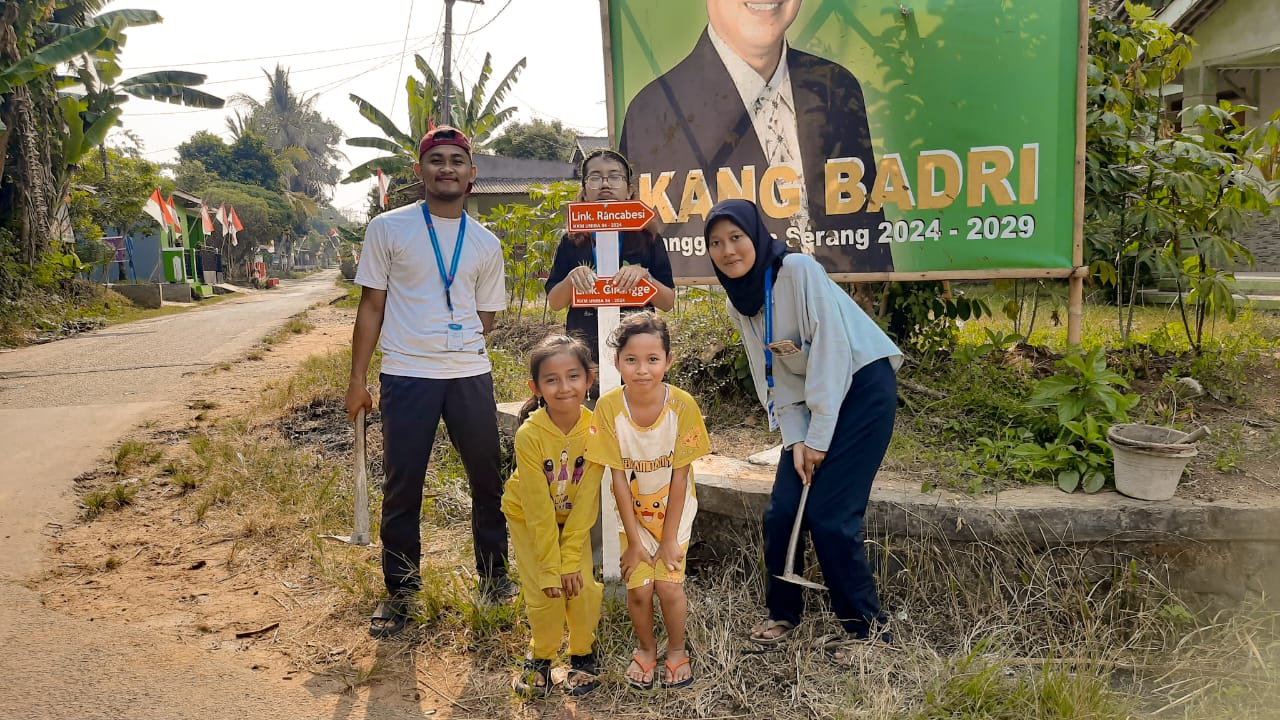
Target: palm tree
296	131
472	113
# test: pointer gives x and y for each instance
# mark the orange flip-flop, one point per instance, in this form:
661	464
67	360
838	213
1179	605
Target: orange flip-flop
644	670
671	671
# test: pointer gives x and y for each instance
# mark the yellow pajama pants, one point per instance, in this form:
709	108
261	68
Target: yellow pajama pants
548	616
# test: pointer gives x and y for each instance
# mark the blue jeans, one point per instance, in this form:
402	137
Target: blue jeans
837	502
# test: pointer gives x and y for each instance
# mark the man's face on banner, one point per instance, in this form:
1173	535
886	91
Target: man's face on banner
754	28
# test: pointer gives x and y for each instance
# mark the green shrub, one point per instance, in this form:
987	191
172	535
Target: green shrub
1085	402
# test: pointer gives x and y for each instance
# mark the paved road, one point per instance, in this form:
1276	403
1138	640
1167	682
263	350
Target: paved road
62	406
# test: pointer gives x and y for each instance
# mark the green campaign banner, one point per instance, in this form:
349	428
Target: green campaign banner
876	135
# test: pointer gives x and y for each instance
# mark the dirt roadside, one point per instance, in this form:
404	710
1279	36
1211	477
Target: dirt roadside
150	584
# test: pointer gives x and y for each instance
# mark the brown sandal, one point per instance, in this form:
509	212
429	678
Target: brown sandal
758	632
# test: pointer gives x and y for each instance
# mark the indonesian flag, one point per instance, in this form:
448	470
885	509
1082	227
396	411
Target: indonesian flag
383	182
333	233
222	218
157	209
173	217
235	225
206	222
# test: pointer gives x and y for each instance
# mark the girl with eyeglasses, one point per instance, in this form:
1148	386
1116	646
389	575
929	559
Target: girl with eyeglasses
606	175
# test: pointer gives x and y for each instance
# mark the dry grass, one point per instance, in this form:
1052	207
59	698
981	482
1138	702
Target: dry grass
983	630
1009	630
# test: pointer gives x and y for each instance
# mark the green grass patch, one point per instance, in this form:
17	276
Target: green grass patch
119	315
320	378
980	687
296	325
45	313
966	411
133	454
116	497
352	300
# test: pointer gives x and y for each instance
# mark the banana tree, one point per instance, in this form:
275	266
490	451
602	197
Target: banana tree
423	99
479	116
472	113
33	43
25	68
95	83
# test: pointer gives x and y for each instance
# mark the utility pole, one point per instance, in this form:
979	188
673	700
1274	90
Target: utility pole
446	112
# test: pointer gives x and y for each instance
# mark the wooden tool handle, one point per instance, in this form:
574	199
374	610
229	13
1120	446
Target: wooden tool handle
360	528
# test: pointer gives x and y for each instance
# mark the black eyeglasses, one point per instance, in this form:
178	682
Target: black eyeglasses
616	180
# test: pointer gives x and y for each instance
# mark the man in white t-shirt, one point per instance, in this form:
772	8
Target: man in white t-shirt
431	283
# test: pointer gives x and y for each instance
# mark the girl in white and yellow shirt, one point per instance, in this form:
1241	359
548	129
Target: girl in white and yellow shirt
648	434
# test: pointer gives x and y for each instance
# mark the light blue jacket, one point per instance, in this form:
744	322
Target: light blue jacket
836	339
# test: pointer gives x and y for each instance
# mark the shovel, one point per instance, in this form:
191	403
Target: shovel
790	574
360	534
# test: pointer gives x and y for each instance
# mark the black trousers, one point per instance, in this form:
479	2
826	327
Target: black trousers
411	411
837	502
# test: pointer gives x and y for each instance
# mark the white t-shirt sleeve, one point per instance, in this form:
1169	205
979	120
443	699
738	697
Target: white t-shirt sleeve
374	270
491	286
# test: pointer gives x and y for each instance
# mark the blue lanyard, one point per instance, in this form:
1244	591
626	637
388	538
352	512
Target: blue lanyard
768	327
596	265
447	277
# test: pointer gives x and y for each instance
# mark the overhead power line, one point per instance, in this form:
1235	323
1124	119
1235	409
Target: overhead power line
295	71
470	18
490	20
395	90
167	66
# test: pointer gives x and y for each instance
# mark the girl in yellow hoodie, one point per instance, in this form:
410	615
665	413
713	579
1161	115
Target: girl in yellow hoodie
551	502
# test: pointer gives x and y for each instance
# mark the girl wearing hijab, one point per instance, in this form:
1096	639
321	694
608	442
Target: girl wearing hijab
825	373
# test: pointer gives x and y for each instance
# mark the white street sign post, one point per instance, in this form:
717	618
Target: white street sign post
606	219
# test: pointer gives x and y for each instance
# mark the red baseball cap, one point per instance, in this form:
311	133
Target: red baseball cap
443	135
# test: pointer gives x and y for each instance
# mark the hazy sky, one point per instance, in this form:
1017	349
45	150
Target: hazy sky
337	48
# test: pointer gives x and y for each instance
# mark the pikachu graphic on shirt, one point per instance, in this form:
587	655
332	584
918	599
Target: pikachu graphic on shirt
651	509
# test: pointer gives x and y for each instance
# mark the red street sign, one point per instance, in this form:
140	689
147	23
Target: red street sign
606	295
619	215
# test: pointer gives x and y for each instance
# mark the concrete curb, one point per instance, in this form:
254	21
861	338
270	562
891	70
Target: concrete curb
1222	548
1044	514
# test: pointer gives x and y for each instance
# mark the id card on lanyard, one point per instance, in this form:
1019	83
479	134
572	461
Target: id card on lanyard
455	341
768	340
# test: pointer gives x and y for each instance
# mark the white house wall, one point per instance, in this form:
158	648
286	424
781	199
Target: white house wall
1238	29
1234	47
1268	95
